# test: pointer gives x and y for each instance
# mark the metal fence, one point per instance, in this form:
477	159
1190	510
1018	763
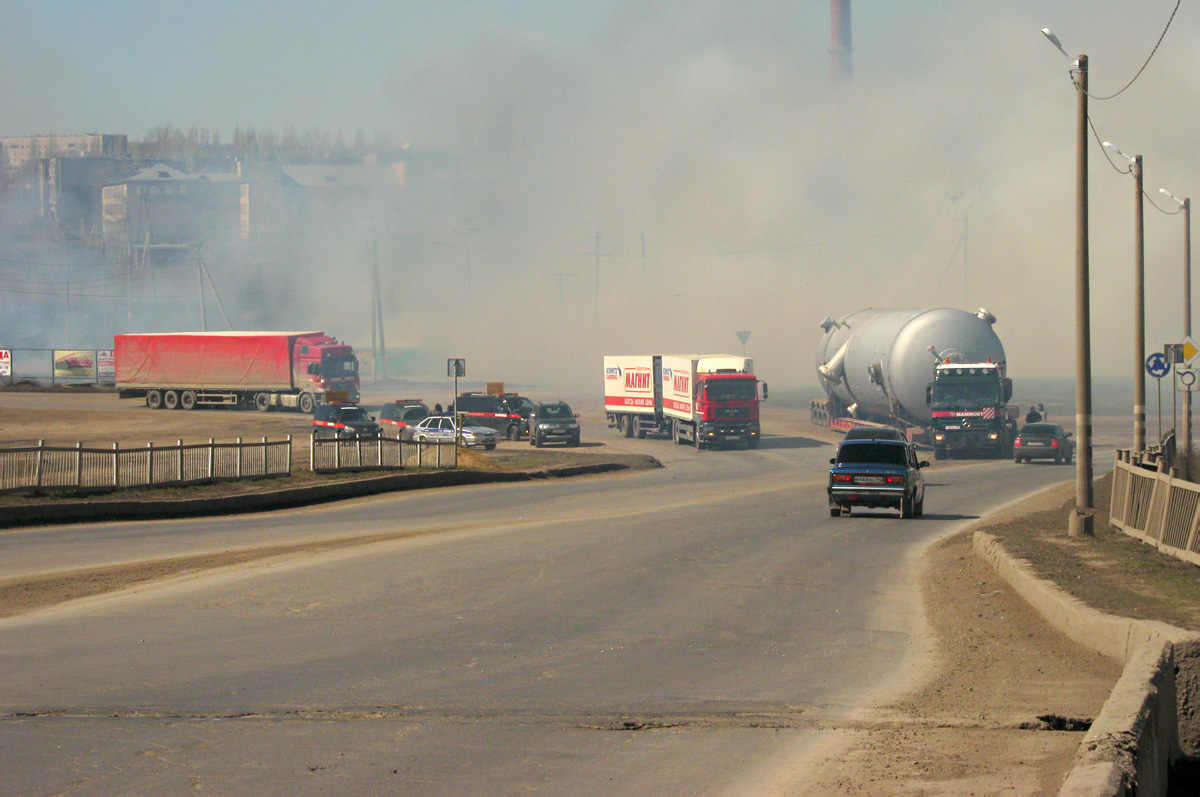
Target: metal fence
44	467
1150	504
329	455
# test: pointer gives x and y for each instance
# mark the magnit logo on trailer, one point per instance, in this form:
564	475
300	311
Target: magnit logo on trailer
637	380
682	383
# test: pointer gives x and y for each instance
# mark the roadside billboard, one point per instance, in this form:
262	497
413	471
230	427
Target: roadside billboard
5	362
74	363
106	364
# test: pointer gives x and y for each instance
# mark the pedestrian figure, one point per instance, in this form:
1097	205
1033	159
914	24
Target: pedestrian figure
1034	416
437	409
1042	412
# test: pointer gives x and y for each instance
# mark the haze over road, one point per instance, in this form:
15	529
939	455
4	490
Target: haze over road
691	628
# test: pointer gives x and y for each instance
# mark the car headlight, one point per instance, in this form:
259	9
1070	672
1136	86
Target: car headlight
545	426
939	437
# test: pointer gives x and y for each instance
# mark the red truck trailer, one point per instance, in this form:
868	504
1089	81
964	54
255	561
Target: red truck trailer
706	400
261	370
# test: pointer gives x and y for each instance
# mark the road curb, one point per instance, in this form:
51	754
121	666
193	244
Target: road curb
267	500
1151	713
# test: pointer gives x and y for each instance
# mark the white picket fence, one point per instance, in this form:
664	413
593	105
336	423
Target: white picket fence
1156	508
329	455
44	467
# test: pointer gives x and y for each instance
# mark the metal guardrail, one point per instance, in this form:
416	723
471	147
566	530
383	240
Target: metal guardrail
44	467
1151	505
330	455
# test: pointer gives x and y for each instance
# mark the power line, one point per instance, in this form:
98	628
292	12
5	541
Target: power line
1152	52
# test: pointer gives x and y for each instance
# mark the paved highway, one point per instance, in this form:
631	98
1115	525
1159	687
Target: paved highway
690	629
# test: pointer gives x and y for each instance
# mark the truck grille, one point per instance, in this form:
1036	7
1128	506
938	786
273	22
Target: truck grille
724	413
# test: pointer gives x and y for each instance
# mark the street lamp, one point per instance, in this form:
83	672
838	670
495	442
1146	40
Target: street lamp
1186	204
1139	299
1082	518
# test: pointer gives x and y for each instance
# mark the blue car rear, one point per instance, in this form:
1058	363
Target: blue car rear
876	474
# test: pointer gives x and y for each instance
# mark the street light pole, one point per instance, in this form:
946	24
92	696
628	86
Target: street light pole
1139	303
1081	519
1186	204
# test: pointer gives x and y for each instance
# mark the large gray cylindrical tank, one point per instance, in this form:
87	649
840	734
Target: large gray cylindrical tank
876	363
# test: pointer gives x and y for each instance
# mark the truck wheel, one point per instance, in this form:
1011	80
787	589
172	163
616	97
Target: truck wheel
752	442
306	403
262	402
171	400
575	441
630	424
154	399
699	442
187	400
939	453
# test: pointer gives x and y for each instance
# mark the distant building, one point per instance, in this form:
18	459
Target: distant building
15	152
162	211
69	190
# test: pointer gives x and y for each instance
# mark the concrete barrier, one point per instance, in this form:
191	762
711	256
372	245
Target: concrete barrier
1150	717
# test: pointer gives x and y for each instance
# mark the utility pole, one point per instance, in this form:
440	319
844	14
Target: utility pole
1186	204
1082	519
1139	303
200	285
560	275
377	309
466	232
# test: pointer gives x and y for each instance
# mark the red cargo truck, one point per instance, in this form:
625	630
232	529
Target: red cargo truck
261	370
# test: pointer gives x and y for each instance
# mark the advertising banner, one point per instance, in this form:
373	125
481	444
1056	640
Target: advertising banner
74	363
106	364
5	362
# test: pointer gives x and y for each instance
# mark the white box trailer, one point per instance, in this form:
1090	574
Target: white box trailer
705	399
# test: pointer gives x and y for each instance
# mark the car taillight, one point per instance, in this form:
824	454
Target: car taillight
841	477
1017	442
895	480
1053	443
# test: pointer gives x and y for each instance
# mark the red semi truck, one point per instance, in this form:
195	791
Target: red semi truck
263	370
706	400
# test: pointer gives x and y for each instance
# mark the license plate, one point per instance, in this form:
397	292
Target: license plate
1035	443
869	480
953	427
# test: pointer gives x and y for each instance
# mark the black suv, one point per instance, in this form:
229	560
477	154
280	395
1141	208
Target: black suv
522	406
402	414
484	409
342	421
553	421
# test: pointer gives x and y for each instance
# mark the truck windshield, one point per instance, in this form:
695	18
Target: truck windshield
731	390
960	393
339	367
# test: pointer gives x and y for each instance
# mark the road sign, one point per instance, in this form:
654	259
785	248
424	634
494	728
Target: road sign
1190	351
1157	366
1173	353
1187	380
456	367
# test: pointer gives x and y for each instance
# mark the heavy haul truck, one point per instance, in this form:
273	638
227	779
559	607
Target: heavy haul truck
706	400
244	370
938	373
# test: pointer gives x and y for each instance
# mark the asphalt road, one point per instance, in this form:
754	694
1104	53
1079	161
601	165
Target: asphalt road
691	629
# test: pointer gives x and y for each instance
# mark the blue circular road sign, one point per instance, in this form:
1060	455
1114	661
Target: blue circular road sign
1157	365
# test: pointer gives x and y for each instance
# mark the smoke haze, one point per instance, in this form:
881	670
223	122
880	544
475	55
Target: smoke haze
733	187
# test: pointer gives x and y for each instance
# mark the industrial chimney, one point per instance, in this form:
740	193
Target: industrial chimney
839	41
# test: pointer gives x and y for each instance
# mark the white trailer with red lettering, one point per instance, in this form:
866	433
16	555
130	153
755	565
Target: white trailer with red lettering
707	400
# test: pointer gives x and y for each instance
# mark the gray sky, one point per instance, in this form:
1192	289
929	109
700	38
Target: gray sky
768	198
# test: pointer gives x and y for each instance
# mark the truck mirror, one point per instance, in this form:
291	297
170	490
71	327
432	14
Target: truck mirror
929	394
764	391
1007	389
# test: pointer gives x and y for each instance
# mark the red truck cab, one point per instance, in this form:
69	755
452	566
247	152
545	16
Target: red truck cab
329	365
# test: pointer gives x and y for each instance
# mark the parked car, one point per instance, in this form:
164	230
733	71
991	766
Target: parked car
1043	441
343	420
552	422
441	427
522	406
484	409
876	473
403	413
875	433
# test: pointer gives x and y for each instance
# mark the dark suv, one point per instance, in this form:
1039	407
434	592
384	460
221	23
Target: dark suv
402	414
522	406
484	409
876	473
342	421
553	422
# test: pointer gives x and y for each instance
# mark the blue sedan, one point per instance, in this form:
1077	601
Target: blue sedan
876	473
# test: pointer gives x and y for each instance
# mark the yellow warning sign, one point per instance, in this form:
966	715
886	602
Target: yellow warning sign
1190	350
